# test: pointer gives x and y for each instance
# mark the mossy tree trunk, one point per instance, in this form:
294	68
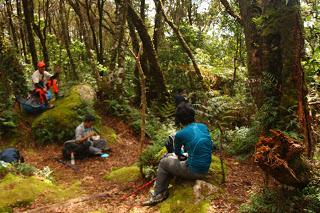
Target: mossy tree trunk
157	88
273	32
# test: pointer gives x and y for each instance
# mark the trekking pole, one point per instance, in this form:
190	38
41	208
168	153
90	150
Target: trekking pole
221	154
138	189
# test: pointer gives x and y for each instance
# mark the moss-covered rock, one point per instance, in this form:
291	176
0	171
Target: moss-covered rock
125	174
22	191
182	199
58	124
108	134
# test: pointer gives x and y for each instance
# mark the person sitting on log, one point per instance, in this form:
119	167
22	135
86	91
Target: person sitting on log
42	82
196	142
86	134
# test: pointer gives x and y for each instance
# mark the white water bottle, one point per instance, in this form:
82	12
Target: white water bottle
72	159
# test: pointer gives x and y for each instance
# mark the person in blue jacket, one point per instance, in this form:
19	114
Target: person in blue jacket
196	141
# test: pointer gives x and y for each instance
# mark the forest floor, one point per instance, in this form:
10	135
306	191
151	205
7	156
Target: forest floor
101	195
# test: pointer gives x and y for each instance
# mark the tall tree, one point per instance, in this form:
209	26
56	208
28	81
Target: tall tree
274	41
41	32
66	39
158	90
21	30
28	18
77	9
13	34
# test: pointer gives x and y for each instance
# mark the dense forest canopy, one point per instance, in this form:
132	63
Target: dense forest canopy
251	70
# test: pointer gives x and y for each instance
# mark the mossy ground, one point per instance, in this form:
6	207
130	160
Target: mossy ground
125	174
182	199
22	191
215	172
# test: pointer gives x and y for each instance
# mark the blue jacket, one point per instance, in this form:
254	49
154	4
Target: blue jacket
197	142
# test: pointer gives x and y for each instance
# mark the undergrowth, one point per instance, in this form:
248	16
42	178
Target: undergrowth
283	201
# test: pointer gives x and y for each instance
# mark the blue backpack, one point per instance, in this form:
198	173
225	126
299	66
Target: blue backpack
10	155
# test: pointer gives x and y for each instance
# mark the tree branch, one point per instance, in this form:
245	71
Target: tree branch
230	11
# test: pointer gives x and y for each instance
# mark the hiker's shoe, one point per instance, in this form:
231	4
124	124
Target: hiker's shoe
58	96
108	149
50	106
156	199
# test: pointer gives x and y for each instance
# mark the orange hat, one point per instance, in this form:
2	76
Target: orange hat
41	64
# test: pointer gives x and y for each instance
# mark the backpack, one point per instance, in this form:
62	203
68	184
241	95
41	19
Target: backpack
10	155
80	151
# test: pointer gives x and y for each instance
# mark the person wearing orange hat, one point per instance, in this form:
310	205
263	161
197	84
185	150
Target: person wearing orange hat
43	81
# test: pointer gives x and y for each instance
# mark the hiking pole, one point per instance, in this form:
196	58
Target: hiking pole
221	155
138	189
73	167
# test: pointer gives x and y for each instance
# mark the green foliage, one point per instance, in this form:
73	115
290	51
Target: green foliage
226	111
151	156
279	201
24	169
8	123
124	174
242	141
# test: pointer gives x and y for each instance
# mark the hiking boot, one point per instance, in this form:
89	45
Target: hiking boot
156	199
108	149
50	106
58	96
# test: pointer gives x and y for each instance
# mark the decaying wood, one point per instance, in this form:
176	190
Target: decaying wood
280	156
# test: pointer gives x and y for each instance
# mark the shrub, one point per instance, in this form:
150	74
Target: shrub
268	201
241	141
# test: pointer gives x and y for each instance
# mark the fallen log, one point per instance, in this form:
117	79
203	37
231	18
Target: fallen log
281	157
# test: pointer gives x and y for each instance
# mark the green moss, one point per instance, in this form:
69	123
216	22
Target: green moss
215	172
20	191
182	199
58	124
125	174
108	134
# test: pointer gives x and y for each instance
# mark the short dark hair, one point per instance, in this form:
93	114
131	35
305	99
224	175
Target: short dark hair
185	113
89	118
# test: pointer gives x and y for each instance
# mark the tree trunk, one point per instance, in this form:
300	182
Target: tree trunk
12	30
273	32
159	90
28	12
100	11
66	40
21	30
76	7
182	42
91	25
41	33
158	26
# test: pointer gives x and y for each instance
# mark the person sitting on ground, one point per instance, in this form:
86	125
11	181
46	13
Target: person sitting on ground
42	81
196	141
86	134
